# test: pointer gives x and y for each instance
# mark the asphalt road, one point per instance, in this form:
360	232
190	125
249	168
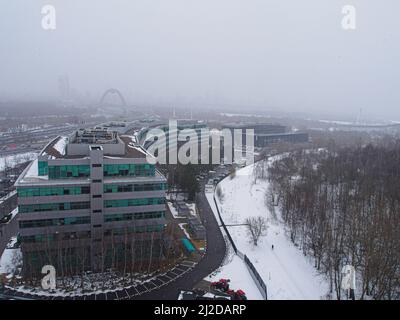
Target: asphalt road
210	262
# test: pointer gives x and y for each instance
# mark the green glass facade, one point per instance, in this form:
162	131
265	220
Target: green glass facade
114	188
53	222
133	216
53	206
110	170
131	170
53	191
51	237
38	238
64	172
133	202
43	168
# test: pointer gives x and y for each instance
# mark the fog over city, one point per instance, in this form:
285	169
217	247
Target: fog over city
174	150
286	55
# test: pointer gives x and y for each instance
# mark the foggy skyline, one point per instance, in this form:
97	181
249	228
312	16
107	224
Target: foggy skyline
280	55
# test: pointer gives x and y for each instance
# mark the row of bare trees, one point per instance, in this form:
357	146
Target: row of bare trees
123	255
342	207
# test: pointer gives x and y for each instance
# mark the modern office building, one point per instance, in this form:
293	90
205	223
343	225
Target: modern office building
259	128
266	134
175	137
90	199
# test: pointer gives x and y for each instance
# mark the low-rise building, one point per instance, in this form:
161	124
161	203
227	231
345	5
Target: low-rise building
197	228
266	134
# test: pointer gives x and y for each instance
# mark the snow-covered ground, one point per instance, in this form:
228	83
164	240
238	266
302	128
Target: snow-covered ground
10	259
237	272
174	211
234	268
8	196
13	160
287	273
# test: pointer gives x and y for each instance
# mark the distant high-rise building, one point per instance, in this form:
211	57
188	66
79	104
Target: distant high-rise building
64	88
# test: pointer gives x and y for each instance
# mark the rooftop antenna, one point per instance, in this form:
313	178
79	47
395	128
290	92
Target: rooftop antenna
174	114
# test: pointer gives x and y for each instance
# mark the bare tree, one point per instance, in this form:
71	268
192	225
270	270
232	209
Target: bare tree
151	252
256	228
342	208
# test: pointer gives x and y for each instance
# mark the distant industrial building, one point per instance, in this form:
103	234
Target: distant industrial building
88	200
122	127
173	141
388	128
266	134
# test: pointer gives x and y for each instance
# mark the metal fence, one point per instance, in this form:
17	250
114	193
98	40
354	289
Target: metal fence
225	228
262	287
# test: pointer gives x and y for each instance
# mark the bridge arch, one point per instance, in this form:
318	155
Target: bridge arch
113	91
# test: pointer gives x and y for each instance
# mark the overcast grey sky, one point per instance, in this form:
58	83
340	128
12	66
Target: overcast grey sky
280	54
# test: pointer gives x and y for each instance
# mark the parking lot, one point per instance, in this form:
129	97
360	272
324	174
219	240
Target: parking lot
128	293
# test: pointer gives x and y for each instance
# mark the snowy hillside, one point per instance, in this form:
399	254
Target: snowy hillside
287	273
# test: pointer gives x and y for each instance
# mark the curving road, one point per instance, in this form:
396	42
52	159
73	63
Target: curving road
210	262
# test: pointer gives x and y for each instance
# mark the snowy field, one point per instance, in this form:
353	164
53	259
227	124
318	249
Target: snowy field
13	160
287	273
234	268
10	259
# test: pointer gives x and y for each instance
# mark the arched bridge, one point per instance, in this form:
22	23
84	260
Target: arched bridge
113	91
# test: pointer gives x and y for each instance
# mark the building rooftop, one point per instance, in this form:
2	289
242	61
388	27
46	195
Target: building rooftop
243	125
77	145
280	134
30	176
97	135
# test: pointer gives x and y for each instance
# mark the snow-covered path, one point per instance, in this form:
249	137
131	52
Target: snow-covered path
286	271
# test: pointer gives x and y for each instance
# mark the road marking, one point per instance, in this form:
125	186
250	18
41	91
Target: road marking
165	275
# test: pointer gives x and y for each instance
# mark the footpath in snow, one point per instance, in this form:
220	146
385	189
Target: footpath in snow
288	274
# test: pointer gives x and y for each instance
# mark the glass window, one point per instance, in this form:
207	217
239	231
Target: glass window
52	191
53	222
111	170
69	171
133	202
54	207
136	187
43	168
136	216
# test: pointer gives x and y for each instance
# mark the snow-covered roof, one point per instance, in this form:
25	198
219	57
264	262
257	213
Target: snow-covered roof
61	144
